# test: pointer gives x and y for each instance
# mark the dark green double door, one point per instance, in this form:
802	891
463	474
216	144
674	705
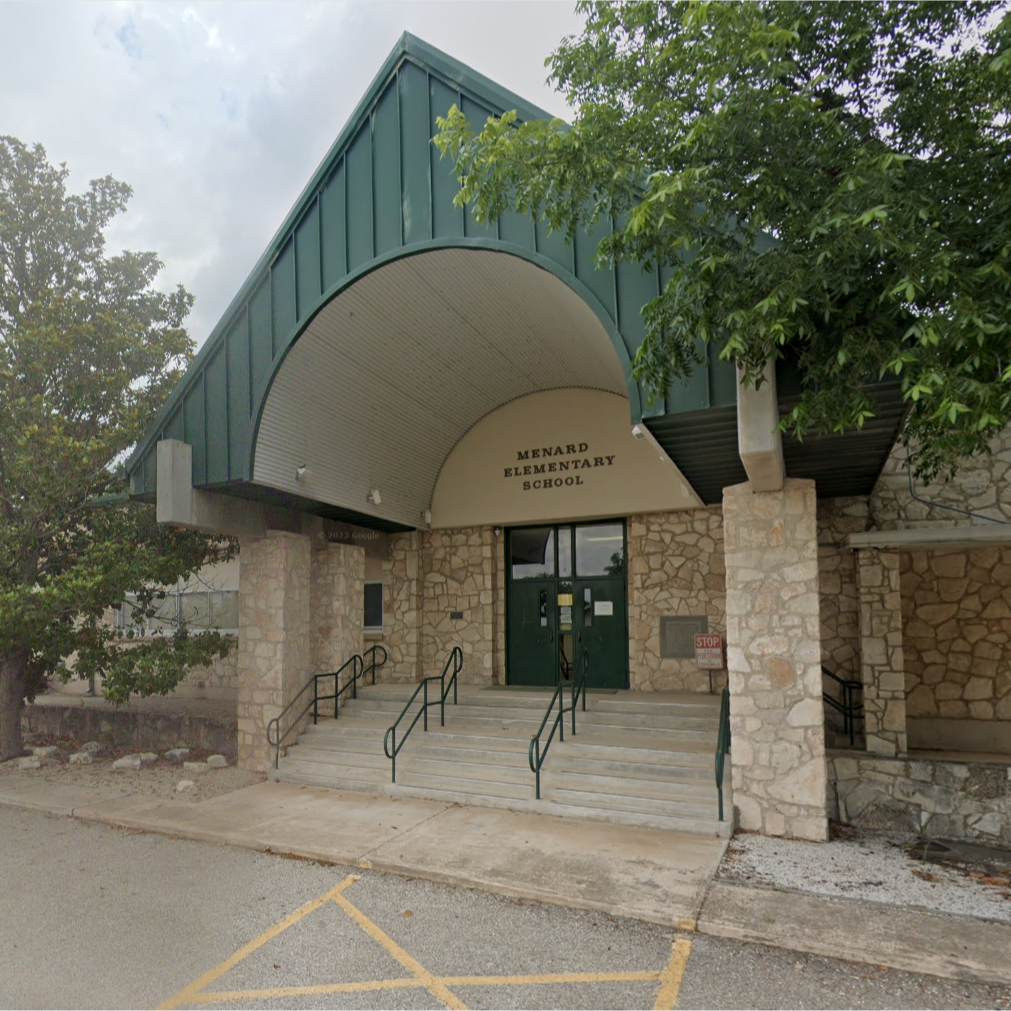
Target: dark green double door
566	596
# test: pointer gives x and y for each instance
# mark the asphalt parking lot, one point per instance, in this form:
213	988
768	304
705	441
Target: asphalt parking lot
98	917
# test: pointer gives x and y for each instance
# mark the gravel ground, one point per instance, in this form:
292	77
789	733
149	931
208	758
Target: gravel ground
888	870
158	780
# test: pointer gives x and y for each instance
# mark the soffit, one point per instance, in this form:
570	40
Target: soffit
392	372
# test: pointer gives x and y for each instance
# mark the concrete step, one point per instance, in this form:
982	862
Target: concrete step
464	786
631	762
617	746
673	823
488	771
300	777
340	758
653	721
629	805
655	781
437	750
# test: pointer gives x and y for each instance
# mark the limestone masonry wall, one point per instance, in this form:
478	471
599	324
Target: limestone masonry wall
946	800
774	660
220	679
675	567
336	595
881	660
274	655
956	608
981	484
837	584
402	608
458	575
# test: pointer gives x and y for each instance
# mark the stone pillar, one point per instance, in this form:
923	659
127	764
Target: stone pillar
882	665
402	609
274	656
774	660
337	602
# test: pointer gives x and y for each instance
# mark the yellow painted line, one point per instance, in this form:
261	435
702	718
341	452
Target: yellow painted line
223	996
551	977
434	986
673	974
191	993
218	997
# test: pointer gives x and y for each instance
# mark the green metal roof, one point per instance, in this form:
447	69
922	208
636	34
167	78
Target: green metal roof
380	194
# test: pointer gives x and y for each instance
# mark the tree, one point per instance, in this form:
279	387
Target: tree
89	350
825	181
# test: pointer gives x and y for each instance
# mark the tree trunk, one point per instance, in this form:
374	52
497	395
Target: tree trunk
12	698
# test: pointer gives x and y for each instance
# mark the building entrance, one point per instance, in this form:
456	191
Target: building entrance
565	594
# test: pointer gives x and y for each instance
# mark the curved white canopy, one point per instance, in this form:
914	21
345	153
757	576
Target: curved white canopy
397	368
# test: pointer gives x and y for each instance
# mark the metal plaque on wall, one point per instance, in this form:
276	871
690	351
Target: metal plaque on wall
677	635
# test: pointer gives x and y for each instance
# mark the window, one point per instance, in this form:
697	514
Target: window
374	604
207	610
533	552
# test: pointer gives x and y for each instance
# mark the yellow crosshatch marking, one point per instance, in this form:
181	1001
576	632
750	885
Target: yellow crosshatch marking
669	977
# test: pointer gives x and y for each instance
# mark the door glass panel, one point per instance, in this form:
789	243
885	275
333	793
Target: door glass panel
533	553
544	608
587	607
600	550
565	552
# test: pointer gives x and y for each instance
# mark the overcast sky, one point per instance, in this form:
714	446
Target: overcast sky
218	113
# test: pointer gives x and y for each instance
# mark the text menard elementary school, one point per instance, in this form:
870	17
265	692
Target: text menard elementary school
577	461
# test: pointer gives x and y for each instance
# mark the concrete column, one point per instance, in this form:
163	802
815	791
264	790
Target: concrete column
274	656
882	666
337	602
774	660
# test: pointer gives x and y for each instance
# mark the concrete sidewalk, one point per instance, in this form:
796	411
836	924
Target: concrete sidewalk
645	874
662	877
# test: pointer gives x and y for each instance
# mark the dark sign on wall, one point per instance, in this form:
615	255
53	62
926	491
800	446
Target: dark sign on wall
677	635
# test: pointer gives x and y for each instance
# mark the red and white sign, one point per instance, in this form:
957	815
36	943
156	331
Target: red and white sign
709	652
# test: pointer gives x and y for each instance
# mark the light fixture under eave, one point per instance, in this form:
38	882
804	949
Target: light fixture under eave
374	497
302	473
638	432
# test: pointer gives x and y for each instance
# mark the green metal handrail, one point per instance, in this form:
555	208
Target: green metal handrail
847	705
358	670
456	661
722	744
578	691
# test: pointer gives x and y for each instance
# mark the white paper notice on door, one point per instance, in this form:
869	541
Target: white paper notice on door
603	607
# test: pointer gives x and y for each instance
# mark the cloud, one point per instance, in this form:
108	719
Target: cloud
218	114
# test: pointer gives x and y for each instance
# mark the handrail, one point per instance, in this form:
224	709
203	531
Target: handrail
722	744
358	670
373	665
578	689
456	660
851	709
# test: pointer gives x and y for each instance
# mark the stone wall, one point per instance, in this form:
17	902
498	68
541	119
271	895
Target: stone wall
774	660
837	584
957	618
675	567
218	680
275	654
136	729
458	576
881	660
336	598
946	800
402	591
981	484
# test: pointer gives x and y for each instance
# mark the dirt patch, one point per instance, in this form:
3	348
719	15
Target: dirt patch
157	780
